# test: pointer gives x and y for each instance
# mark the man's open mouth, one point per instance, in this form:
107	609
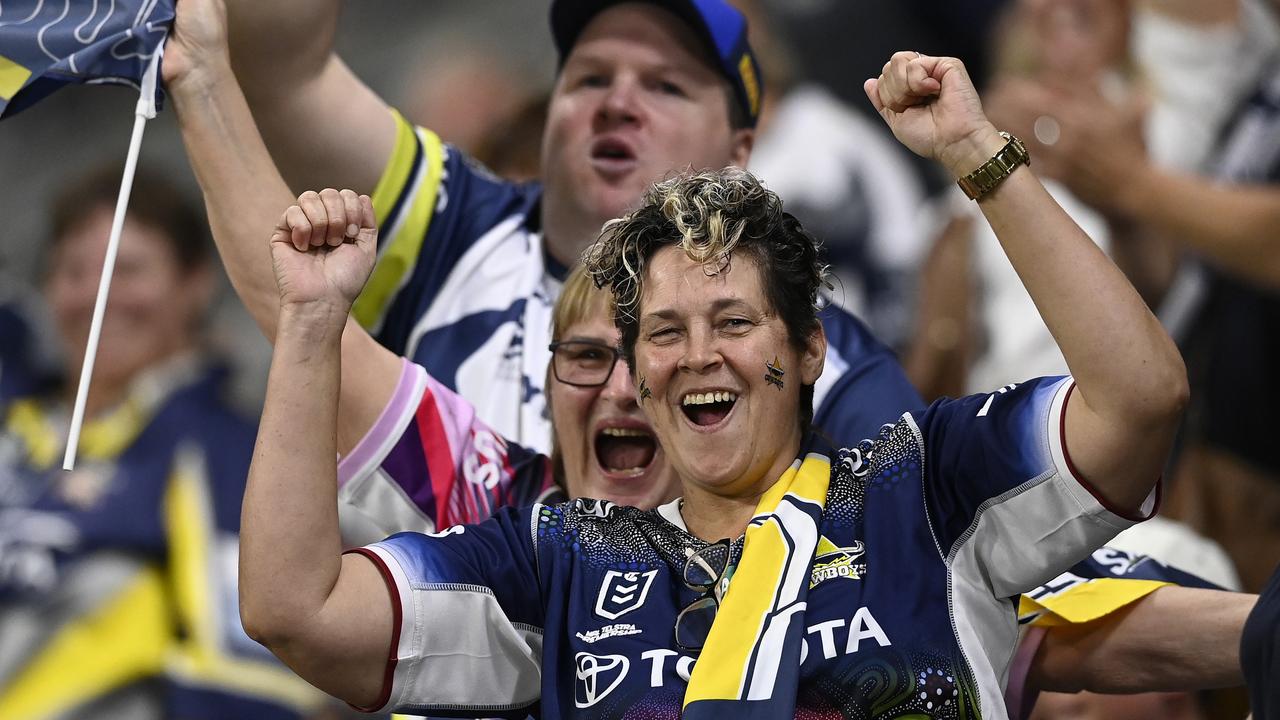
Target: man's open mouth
612	149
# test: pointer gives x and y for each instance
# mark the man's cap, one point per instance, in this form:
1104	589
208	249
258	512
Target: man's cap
720	26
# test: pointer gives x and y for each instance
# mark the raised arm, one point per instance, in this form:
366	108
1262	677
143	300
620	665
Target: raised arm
1131	382
324	126
1149	646
326	615
244	193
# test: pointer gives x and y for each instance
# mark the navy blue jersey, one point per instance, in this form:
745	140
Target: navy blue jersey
464	287
21	371
927	533
118	579
1260	652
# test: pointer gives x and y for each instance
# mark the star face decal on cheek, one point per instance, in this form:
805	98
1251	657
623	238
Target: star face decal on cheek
774	376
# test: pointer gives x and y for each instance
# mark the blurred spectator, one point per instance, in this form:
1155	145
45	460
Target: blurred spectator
22	365
1224	304
117	580
844	176
483	89
512	149
976	330
839	41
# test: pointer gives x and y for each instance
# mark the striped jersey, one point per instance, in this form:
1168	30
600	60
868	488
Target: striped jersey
464	286
928	531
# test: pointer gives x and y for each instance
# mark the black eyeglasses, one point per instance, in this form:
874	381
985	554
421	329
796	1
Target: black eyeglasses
583	363
707	570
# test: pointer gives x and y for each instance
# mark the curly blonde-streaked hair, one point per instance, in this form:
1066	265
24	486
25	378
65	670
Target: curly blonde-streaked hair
711	216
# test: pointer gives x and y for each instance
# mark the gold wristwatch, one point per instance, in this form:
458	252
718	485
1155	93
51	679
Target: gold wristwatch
993	172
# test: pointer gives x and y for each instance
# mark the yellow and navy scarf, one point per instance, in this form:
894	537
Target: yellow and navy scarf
750	664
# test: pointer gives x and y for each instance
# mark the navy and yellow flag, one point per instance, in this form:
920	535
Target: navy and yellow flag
45	44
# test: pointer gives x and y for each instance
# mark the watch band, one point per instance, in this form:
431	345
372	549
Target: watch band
993	172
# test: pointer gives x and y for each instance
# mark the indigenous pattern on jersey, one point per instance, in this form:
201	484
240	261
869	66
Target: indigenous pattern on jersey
463	286
1108	580
117	580
926	533
429	462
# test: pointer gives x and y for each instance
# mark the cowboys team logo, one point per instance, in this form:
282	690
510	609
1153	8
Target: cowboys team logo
598	675
623	592
832	562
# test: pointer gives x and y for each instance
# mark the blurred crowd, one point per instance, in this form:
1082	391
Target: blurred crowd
1155	123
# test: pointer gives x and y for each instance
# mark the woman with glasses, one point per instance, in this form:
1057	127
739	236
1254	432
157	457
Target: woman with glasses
871	583
416	456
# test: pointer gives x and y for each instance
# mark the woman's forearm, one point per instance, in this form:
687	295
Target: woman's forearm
326	615
244	194
1174	639
243	191
1131	381
289	543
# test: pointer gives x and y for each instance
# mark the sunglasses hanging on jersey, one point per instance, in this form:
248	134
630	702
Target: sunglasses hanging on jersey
706	570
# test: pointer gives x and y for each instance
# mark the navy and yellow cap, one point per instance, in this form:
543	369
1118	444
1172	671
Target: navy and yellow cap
722	27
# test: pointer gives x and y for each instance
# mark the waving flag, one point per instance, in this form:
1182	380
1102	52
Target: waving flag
45	44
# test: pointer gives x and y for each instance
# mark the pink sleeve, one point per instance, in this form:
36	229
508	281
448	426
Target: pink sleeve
429	448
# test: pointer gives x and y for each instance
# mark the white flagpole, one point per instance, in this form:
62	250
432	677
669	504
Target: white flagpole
145	110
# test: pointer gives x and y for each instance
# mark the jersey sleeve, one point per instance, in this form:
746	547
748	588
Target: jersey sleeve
432	203
1003	499
1107	581
468	618
429	463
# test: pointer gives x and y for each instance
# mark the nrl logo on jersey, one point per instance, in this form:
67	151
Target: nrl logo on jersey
831	562
623	592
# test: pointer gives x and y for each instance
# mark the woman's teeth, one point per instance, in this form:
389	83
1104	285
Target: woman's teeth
708	398
624	432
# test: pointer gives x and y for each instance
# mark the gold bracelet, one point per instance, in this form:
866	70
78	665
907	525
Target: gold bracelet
993	172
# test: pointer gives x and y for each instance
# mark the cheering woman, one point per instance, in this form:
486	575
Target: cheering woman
868	582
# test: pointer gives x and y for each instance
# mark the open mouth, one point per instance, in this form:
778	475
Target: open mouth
612	150
708	408
625	450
